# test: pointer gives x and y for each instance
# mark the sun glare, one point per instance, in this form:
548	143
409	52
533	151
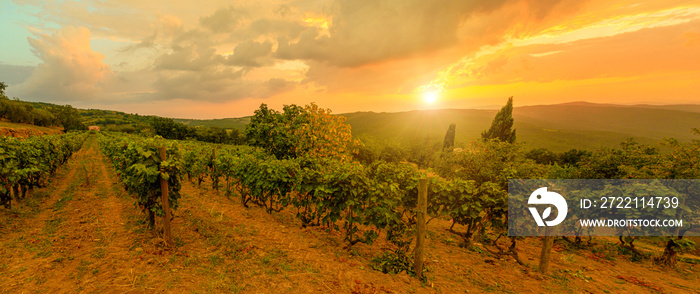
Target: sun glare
430	97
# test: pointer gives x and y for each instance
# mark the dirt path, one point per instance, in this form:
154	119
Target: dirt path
78	238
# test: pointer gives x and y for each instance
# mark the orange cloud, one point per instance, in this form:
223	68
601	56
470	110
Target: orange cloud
357	55
70	69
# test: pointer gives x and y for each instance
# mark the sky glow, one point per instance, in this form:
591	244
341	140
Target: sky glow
215	59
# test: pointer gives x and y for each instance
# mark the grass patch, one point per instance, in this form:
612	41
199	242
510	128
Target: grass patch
683	287
82	269
215	259
578	274
237	250
42	247
135	224
449	241
99	253
560	278
52	226
205	230
244	230
689	260
276	261
173	283
34	202
61	203
492	288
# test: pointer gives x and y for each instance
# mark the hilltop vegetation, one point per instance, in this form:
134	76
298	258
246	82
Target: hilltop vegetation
40	114
559	128
555	127
238	123
25	119
117	121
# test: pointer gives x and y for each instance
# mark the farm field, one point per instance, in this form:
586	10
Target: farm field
82	233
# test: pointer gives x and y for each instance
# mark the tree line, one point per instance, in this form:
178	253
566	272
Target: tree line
170	129
18	111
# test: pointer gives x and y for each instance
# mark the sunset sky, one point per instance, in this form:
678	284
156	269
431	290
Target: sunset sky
215	59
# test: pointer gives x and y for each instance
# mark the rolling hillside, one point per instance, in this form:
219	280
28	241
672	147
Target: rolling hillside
557	127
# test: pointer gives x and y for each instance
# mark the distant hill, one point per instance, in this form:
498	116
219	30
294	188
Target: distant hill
679	107
556	127
110	120
559	127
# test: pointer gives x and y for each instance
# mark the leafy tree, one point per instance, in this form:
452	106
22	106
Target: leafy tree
164	127
19	112
43	117
573	156
423	151
308	131
235	137
271	130
68	117
127	128
5	106
449	142
392	152
323	135
367	152
542	156
212	135
631	161
170	129
5	103
501	127
372	150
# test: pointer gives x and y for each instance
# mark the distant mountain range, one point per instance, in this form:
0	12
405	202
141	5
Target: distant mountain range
557	127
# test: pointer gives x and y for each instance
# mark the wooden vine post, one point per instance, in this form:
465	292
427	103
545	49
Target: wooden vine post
167	234
421	211
215	179
547	242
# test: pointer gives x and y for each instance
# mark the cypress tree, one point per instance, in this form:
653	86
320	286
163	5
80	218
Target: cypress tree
449	142
502	125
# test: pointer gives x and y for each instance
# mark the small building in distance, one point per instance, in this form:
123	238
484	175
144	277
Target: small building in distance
94	128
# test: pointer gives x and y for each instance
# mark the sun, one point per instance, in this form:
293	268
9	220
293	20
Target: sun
430	97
